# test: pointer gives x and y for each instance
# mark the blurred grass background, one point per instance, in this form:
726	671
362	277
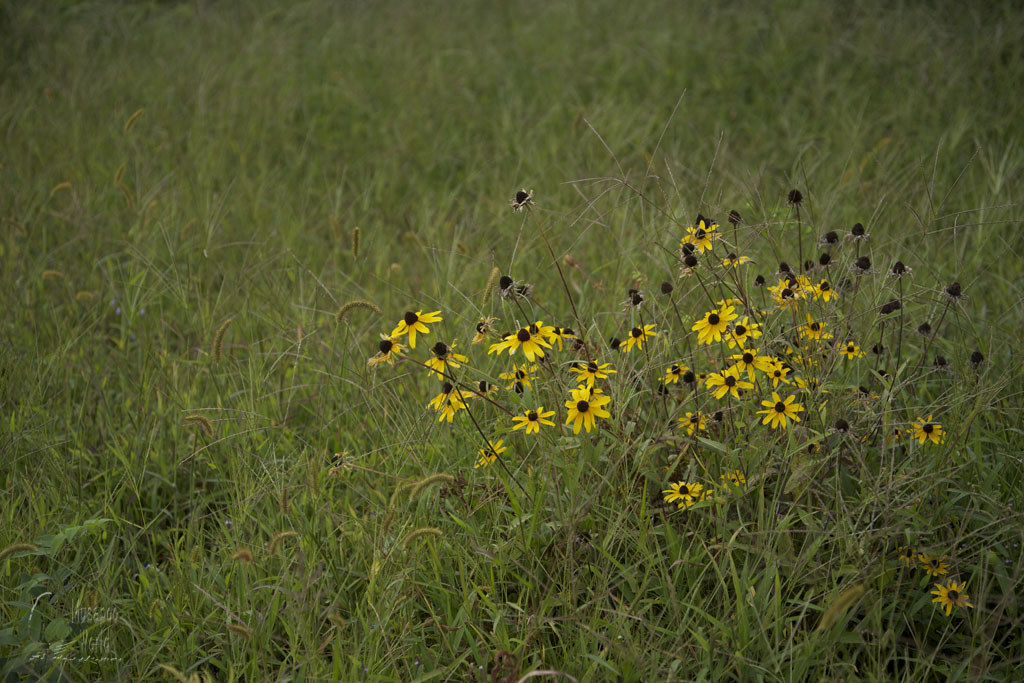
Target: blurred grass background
268	131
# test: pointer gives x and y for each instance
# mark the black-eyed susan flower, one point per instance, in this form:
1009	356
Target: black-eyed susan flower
810	385
584	407
560	334
726	382
714	324
778	372
387	350
823	290
683	493
850	351
701	235
530	339
591	371
814	329
483	328
951	595
778	411
735	261
448	402
491	453
483	387
742	331
444	357
694	422
415	323
924	430
933	565
734	479
674	373
747	361
637	336
533	419
906	555
519	377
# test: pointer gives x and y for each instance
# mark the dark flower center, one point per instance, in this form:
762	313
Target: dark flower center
482	386
523	335
730	381
740	330
684	490
700	234
533	329
842	425
690	261
410	318
666	287
857	230
898	268
614	343
694	419
689	377
531	416
582	406
636	332
748	358
953	290
713	319
517	387
522	196
928	428
787	293
825	286
446	388
674	370
784	267
636	299
520	374
851	349
481	328
780	407
824	259
815	327
440	349
831	237
924	328
759	281
505	282
953	595
385	345
592	366
731	256
863	263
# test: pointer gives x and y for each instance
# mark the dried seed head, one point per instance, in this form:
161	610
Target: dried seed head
795	197
734	217
977	358
891	307
954	291
666	287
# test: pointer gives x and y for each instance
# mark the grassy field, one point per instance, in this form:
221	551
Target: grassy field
203	477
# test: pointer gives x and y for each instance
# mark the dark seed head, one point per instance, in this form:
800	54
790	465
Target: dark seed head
700	233
713	319
780	407
517	387
890	307
928	428
740	331
824	286
787	293
784	267
568	331
636	298
385	345
924	328
717	417
941	362
582	406
688	249
953	291
614	342
857	230
977	358
532	416
410	318
748	358
690	261
842	426
730	381
795	197
666	287
824	259
734	217
440	349
523	335
808	264
689	377
759	281
877	349
592	366
522	196
863	264
533	329
505	282
446	388
636	332
482	386
898	268
831	237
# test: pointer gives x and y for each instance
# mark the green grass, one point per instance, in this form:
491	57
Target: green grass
268	133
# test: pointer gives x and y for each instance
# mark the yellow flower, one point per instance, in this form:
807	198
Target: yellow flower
685	492
637	336
907	555
814	330
483	327
519	377
823	290
673	374
533	419
933	565
747	361
531	339
448	402
491	453
584	407
413	323
925	429
694	422
741	331
951	595
444	357
588	372
735	261
559	334
850	350
735	479
778	372
727	382
701	235
714	323
388	348
779	411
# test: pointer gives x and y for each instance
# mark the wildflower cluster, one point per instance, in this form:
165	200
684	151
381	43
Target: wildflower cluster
948	594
